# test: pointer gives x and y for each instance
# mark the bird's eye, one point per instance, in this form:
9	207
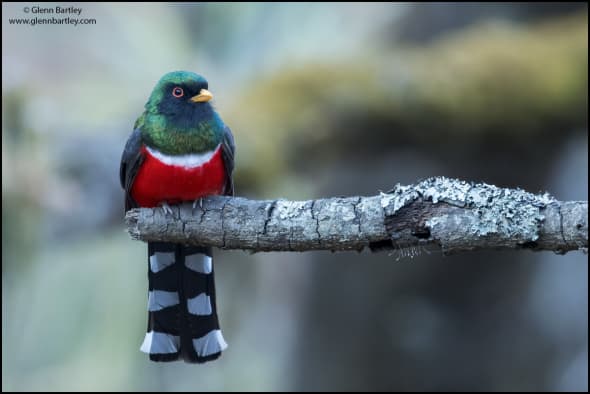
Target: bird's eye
177	92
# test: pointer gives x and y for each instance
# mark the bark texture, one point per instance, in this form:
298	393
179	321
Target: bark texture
438	212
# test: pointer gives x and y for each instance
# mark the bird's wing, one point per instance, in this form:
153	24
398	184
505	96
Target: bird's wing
228	148
130	162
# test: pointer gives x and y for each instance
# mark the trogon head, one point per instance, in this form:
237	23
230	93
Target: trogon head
179	118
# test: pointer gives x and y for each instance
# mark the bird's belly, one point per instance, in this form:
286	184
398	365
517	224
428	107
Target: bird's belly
157	181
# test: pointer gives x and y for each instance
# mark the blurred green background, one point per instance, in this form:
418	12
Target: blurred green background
324	100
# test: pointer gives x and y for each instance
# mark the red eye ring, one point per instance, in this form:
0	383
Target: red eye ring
177	92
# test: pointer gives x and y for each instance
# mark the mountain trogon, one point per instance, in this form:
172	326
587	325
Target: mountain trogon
180	150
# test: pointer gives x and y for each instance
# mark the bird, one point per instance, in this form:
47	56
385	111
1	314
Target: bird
180	150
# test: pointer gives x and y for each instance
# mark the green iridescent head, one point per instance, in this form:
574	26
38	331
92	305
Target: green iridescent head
178	118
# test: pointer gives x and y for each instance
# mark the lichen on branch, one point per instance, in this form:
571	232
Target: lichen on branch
438	212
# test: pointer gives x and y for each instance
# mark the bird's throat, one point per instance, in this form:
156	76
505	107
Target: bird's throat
172	136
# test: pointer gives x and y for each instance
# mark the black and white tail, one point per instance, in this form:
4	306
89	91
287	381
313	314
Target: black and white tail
182	322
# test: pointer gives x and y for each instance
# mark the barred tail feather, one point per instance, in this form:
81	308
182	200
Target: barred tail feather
203	341
182	319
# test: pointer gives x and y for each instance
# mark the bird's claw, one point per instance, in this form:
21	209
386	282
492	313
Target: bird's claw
166	208
200	202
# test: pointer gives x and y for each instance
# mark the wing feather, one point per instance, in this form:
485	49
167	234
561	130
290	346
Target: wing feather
131	160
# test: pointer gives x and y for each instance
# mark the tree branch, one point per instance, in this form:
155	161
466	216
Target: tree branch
451	214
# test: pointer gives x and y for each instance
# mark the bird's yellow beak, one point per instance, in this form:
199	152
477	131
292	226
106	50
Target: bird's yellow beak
203	96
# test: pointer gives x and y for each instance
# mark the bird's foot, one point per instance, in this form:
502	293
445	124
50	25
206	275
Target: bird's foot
166	208
200	202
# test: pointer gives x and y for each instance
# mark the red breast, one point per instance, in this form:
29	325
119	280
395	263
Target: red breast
178	178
